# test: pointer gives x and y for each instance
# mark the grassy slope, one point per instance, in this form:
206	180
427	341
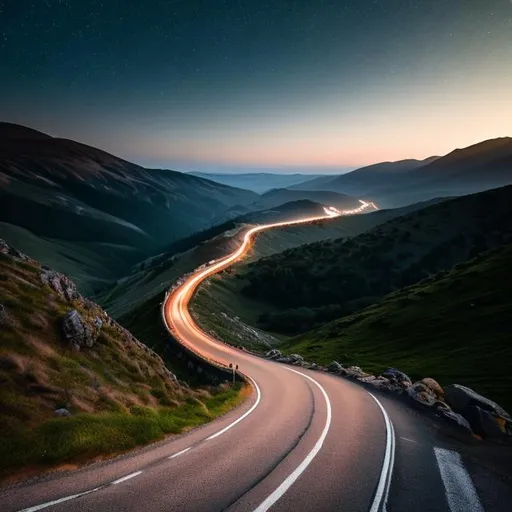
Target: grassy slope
120	393
390	256
454	327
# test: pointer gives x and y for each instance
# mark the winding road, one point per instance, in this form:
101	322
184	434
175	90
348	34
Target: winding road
304	441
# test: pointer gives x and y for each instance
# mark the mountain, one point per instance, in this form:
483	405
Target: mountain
363	181
76	197
453	326
479	167
257	182
337	277
277	197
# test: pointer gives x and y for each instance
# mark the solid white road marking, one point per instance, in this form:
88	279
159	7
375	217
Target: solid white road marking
460	491
382	492
56	502
127	477
231	425
278	493
179	453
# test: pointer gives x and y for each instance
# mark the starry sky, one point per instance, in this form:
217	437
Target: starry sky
235	85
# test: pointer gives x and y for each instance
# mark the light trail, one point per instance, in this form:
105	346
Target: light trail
175	311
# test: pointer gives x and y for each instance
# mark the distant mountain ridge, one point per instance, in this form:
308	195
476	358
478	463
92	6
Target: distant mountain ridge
62	190
478	167
259	182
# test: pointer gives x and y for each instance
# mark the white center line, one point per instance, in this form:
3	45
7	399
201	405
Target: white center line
179	453
127	477
460	491
278	493
381	494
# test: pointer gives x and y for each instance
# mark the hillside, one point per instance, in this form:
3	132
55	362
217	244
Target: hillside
259	182
61	191
476	168
74	383
278	197
365	180
341	276
454	326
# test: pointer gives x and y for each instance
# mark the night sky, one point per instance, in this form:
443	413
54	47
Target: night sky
239	84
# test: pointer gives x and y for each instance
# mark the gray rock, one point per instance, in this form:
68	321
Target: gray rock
335	367
296	358
422	394
459	397
77	332
273	354
455	419
63	413
60	284
397	377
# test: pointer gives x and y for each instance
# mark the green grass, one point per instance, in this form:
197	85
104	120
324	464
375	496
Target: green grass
84	436
454	327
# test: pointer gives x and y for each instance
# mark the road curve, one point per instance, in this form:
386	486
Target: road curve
305	441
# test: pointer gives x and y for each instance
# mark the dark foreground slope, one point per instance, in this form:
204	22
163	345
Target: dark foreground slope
82	199
454	326
94	391
345	275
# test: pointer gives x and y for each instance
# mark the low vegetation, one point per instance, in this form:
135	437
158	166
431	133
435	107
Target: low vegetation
454	326
115	394
315	283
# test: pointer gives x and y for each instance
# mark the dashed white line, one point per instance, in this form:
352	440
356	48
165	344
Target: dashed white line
279	492
381	494
231	425
179	453
127	477
460	491
56	502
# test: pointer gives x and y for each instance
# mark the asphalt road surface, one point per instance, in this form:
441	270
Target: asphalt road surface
304	441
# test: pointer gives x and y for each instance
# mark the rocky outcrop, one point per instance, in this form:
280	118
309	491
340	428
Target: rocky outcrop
486	417
335	367
421	393
78	332
6	249
60	284
397	378
273	354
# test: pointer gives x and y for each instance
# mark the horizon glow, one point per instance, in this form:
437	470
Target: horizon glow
292	86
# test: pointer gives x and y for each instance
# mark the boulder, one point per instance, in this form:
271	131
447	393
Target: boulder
486	417
455	419
273	354
422	394
296	358
335	367
60	284
355	372
63	413
77	332
434	386
397	377
381	383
